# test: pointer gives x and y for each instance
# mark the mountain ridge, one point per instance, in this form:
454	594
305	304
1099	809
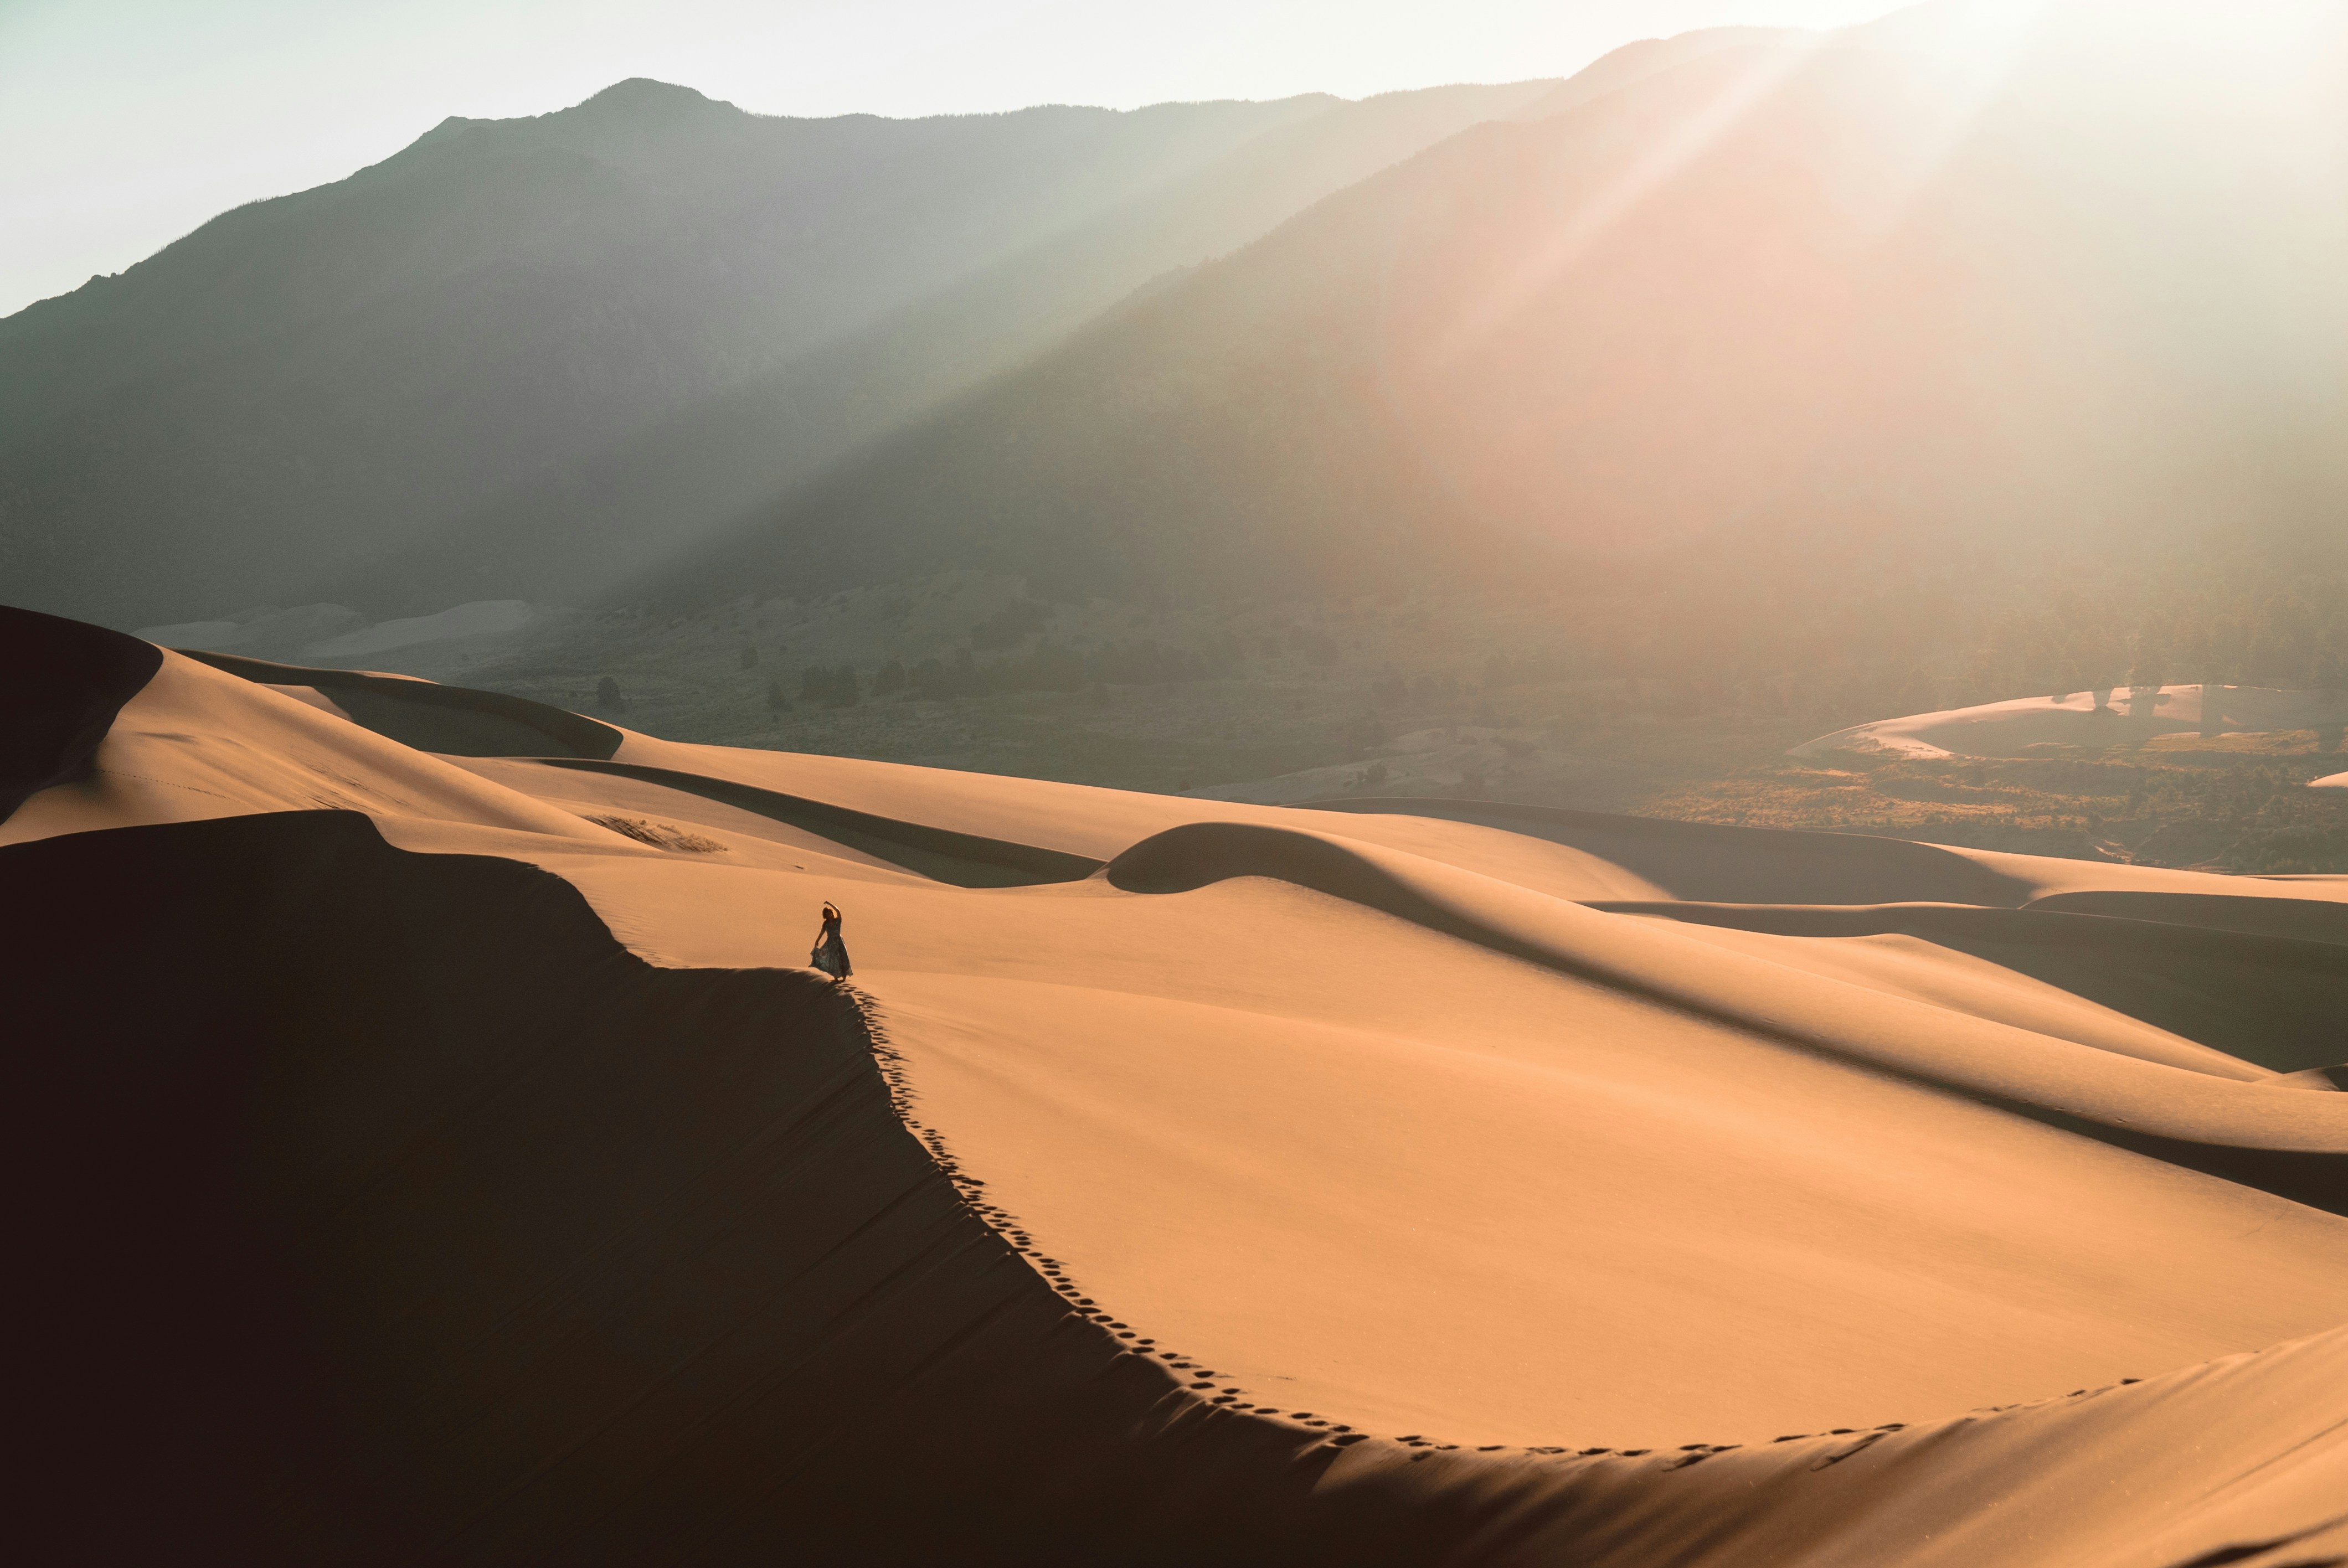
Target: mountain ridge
319	376
1839	325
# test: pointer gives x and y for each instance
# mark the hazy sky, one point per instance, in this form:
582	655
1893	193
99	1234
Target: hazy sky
126	123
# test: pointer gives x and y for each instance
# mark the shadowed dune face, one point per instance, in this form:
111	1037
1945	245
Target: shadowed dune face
429	717
405	1244
53	730
1710	863
1283	1185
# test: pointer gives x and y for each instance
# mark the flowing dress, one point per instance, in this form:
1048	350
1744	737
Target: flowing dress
830	954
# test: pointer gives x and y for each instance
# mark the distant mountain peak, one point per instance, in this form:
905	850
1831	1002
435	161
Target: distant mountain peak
640	97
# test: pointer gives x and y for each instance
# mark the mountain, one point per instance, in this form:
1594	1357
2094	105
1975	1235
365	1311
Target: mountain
1906	288
508	313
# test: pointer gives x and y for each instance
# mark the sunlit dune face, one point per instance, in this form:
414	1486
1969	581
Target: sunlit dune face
1998	264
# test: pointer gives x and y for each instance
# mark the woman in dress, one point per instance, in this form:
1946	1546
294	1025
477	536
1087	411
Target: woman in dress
830	953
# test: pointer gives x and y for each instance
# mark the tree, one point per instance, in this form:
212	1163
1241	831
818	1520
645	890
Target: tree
777	702
607	695
749	656
890	678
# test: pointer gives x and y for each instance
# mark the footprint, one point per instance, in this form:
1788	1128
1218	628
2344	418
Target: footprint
1869	1441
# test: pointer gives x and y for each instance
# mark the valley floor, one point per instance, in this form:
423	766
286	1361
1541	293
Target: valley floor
1399	703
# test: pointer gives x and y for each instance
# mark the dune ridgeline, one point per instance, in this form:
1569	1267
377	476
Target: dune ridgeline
436	1150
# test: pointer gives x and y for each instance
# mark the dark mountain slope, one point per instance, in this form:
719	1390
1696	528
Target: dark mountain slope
1795	300
303	382
627	508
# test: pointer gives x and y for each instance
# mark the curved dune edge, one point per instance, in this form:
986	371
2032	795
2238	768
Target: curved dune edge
2268	997
1974	1055
326	981
71	680
561	1255
964	859
431	716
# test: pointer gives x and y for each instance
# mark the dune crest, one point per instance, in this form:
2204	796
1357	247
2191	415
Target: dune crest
1215	1181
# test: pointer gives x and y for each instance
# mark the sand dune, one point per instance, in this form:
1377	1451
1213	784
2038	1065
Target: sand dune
2109	716
449	1156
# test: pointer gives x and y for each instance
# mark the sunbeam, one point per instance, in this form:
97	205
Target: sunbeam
1749	82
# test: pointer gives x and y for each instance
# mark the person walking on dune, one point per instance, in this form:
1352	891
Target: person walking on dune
830	953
